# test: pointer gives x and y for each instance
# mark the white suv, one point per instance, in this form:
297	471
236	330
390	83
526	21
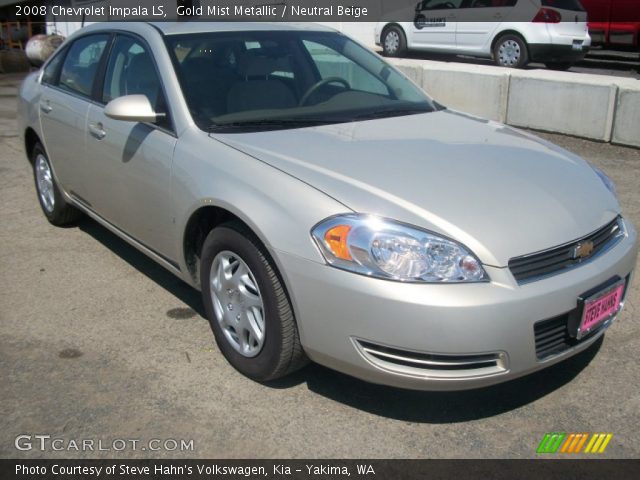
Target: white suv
553	32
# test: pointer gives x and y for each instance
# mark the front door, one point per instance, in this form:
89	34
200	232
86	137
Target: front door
434	26
131	162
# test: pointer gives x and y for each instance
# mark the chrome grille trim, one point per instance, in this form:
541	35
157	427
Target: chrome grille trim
429	364
535	266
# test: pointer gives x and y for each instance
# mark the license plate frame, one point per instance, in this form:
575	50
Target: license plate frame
580	328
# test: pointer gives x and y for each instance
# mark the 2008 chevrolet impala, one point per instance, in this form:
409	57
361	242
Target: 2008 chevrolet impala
325	206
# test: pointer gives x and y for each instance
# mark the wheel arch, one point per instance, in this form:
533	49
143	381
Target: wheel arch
390	25
510	31
31	138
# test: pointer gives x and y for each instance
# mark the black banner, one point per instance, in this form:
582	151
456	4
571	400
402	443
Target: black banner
583	469
424	13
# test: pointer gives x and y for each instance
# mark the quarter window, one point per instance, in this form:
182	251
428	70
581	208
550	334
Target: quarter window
81	64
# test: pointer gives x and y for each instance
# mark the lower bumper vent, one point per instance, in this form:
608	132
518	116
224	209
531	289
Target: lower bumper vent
432	365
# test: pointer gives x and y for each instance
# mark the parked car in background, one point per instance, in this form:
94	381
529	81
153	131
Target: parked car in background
553	32
325	206
614	24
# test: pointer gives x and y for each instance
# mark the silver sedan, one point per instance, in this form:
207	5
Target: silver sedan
325	206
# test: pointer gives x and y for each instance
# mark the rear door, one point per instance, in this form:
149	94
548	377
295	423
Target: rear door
131	162
67	86
434	26
478	21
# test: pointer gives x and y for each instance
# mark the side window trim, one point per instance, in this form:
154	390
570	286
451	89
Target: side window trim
97	94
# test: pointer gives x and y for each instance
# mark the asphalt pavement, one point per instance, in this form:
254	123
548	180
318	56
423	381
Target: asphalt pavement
99	343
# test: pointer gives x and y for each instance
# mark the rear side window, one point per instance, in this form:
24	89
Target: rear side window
574	5
81	64
50	75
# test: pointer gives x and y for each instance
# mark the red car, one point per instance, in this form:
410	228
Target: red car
614	24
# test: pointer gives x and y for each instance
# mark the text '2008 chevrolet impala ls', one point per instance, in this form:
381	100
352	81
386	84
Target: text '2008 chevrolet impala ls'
325	206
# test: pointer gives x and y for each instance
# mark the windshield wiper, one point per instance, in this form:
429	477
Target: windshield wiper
398	112
272	123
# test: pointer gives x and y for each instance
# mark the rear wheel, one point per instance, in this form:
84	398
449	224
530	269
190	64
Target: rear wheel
510	51
53	204
250	313
394	42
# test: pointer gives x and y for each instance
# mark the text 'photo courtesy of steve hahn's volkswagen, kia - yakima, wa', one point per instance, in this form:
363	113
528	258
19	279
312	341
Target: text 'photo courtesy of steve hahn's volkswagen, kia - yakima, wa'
325	206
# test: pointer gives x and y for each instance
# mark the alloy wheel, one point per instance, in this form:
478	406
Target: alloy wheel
44	180
237	303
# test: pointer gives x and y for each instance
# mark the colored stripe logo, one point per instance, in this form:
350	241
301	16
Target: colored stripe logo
574	442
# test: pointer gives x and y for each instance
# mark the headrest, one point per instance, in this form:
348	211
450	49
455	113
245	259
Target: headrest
250	65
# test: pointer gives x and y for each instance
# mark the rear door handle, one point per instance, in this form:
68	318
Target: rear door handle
45	107
97	130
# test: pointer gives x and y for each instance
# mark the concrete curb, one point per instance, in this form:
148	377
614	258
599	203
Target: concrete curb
597	107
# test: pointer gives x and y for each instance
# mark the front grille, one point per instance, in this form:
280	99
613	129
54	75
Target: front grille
433	365
549	262
552	336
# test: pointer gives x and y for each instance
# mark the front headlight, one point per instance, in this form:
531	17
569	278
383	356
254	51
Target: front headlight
606	180
382	248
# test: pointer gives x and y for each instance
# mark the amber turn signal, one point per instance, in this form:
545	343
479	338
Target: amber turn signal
336	239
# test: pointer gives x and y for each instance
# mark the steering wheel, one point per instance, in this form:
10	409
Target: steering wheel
321	83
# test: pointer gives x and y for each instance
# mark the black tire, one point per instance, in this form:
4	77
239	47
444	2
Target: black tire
62	214
281	352
510	43
559	66
394	42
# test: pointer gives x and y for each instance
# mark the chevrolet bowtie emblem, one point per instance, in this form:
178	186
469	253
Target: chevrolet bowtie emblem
583	250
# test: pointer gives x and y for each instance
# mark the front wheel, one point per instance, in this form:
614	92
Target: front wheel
510	51
394	42
246	303
53	204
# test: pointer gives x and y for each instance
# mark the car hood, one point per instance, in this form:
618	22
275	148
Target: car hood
499	191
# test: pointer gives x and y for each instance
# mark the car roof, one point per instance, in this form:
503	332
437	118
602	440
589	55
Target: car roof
178	28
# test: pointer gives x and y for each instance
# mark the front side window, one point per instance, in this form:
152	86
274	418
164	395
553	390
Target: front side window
286	79
131	71
81	64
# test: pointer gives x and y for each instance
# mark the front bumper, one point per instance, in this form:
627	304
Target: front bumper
556	53
341	315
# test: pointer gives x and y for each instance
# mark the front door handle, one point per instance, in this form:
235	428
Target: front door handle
97	130
46	107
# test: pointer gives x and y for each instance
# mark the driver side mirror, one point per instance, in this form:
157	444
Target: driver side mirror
132	108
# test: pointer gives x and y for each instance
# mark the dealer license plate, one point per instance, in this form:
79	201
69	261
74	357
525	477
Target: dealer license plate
600	307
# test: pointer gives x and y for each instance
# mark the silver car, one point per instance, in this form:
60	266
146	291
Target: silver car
325	206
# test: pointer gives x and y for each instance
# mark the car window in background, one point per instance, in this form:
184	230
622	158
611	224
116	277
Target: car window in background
574	5
488	3
440	4
81	64
131	71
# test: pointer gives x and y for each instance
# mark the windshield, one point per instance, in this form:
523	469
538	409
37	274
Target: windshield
287	79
